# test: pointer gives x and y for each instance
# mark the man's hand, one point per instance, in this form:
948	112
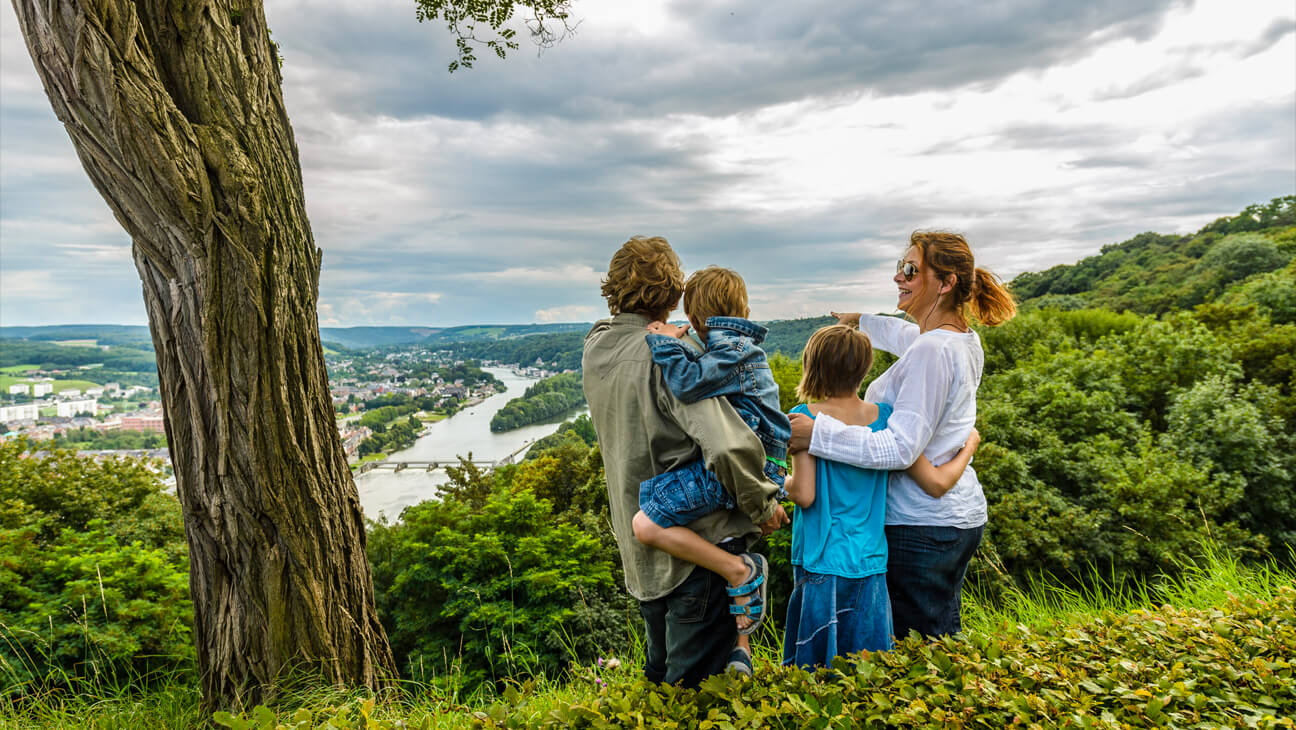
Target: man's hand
974	439
670	330
802	428
850	319
776	520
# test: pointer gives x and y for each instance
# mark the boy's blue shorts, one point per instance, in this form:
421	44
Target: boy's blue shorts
679	496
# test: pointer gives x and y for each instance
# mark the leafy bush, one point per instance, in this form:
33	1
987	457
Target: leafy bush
496	581
94	578
1204	668
578	431
1109	443
1239	256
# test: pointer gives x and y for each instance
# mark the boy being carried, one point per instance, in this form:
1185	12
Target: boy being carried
734	366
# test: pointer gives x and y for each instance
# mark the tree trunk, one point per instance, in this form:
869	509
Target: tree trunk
175	109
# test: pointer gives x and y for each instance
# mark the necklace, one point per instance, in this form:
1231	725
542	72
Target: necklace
960	328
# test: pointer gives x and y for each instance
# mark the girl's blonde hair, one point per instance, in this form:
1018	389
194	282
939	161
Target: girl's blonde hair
834	363
977	291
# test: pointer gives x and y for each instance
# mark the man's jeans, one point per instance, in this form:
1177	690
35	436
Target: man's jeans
925	568
690	632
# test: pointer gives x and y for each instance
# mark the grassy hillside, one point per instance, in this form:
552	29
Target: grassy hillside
1211	649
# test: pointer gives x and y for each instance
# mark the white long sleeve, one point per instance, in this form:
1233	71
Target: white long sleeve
919	404
889	334
932	387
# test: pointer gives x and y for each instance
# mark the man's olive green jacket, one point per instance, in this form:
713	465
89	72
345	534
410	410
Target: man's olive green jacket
644	430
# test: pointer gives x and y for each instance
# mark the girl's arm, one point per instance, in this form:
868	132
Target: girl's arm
928	377
800	484
937	480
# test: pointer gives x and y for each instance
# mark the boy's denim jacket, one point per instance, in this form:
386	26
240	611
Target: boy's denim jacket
733	365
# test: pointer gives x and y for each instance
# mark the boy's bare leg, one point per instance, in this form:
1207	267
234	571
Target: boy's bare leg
687	545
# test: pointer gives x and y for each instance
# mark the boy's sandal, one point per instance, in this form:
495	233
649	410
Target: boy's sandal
757	588
740	661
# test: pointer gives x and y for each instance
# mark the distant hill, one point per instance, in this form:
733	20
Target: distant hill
356	338
359	338
1153	273
125	335
561	350
486	332
789	336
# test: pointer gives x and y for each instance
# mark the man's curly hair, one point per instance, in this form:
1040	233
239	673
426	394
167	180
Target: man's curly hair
644	278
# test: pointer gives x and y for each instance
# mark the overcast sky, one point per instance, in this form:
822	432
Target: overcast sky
798	143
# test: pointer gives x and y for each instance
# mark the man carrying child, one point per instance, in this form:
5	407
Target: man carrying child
644	430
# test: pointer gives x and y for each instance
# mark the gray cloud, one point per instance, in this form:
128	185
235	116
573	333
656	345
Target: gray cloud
734	57
499	194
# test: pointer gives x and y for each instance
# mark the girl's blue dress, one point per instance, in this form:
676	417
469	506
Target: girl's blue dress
839	602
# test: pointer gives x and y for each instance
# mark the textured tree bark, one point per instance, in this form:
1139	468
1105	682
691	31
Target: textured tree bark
176	111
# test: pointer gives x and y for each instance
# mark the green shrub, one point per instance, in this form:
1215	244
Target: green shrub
1230	666
487	585
94	575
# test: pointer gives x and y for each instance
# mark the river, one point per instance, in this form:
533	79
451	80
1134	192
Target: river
383	491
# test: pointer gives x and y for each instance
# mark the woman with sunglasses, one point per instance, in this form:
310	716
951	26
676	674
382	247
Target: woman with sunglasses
931	535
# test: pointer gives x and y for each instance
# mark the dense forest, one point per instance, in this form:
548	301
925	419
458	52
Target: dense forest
548	398
1130	424
50	356
555	351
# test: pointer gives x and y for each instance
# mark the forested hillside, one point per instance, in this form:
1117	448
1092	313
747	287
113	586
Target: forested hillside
1154	274
556	350
549	398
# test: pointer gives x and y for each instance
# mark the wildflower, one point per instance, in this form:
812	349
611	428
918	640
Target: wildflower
613	663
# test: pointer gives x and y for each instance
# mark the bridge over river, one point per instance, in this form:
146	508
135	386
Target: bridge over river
439	463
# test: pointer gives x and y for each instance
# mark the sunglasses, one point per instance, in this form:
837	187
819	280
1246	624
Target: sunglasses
908	268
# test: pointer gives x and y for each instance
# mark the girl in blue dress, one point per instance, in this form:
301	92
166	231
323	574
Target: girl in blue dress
839	603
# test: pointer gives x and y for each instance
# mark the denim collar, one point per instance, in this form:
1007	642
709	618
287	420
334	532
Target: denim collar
739	325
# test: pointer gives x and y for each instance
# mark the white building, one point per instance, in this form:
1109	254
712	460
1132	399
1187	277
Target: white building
69	408
94	392
40	389
70	393
20	389
22	412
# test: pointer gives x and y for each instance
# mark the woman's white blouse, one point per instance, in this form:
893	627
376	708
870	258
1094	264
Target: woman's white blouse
932	387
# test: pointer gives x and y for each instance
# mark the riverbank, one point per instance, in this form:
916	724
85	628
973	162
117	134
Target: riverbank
466	433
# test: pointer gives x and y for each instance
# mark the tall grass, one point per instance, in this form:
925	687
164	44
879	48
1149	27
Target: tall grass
1203	581
442	702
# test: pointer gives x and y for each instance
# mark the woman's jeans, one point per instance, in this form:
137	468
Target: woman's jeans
925	568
